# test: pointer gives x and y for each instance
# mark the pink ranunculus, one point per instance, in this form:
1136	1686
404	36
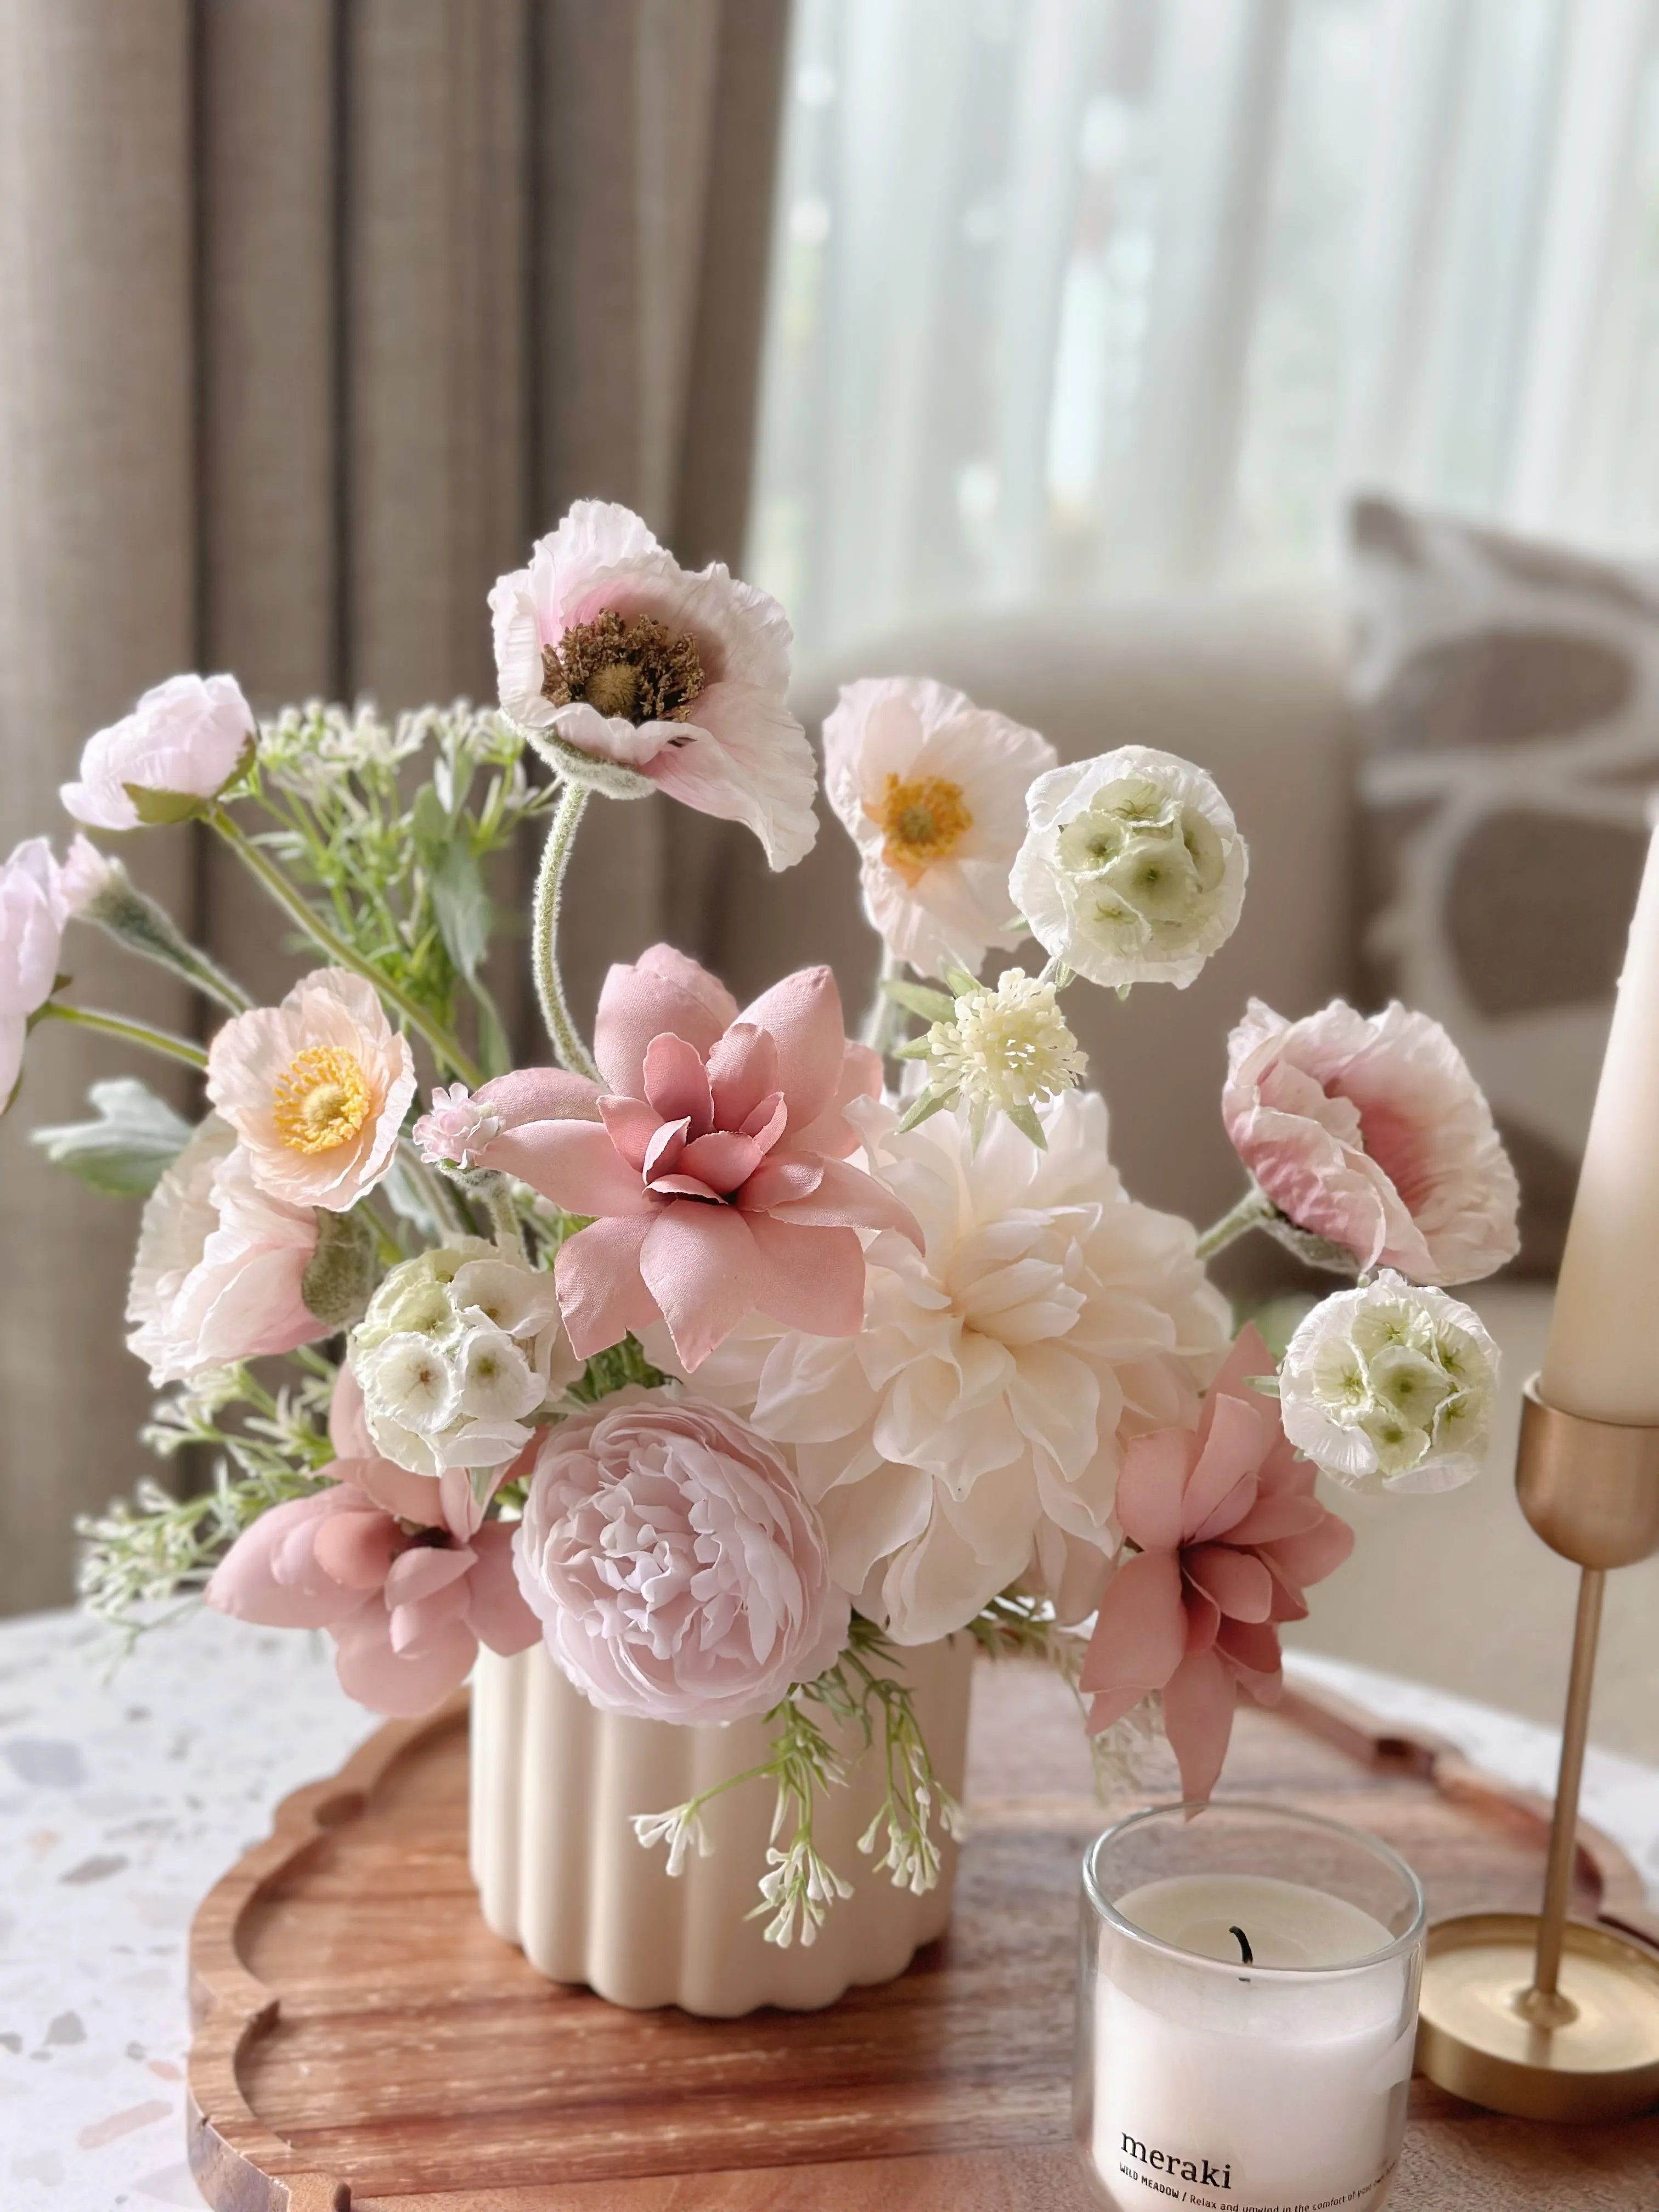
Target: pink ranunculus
34	905
220	1268
713	1159
607	644
316	1089
679	1572
182	741
1228	1534
407	1607
1372	1133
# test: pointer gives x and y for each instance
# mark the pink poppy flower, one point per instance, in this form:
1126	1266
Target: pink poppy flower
1372	1133
605	643
407	1599
180	744
713	1160
1228	1534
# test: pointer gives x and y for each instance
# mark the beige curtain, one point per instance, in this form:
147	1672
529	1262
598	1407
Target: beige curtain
311	314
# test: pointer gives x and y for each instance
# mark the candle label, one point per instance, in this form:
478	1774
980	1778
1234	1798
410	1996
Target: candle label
1207	2182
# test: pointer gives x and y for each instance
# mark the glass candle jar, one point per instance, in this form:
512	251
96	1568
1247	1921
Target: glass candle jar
1247	2010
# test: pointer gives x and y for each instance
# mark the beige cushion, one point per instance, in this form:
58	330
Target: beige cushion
1251	691
1509	697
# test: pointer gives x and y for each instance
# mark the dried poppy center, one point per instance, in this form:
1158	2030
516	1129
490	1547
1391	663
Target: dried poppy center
921	823
626	666
321	1099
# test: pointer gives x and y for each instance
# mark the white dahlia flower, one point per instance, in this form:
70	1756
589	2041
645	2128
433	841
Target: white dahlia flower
970	1436
1391	1387
1132	869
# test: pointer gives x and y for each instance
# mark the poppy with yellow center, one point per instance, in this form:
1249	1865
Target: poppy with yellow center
921	821
321	1100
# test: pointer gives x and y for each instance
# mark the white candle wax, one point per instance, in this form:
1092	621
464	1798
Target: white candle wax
1602	1357
1240	2090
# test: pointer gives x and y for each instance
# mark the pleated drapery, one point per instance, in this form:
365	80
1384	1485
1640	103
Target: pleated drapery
313	312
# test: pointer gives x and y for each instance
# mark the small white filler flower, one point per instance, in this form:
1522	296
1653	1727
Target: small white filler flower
1132	869
1005	1050
1391	1387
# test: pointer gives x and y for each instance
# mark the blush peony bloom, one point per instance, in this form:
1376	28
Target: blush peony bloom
610	649
1132	869
714	1159
36	899
678	1571
1372	1134
933	789
407	1606
316	1089
181	744
969	1436
220	1270
456	1129
1228	1534
1390	1387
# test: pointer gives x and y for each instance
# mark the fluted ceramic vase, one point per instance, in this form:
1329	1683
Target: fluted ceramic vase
559	1873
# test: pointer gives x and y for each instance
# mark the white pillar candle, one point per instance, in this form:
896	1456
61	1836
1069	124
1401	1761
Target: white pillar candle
1275	2083
1602	1357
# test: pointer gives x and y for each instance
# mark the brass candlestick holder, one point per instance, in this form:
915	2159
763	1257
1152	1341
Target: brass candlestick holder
1533	2014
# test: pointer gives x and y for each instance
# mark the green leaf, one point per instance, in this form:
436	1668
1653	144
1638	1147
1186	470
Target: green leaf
495	1051
918	999
961	981
1024	1119
126	1151
428	821
918	1048
929	1103
159	809
462	906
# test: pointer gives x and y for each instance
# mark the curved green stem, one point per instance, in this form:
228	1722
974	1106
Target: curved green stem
544	930
879	1021
1253	1211
161	1041
342	955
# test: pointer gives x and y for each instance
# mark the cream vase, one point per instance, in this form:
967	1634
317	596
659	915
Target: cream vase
555	1782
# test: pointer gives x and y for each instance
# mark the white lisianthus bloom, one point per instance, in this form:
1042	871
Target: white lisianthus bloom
1132	869
459	1349
180	744
932	790
1391	1387
970	1438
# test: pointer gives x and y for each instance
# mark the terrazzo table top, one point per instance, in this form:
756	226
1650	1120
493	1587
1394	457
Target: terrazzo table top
123	1799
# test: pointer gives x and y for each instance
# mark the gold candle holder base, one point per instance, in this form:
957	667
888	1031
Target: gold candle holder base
1477	2035
1533	2014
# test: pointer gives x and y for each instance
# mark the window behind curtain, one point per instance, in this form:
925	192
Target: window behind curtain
1075	297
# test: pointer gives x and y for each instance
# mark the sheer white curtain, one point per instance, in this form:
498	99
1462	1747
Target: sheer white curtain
1080	296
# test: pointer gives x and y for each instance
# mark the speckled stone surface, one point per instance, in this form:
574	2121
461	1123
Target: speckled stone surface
122	1800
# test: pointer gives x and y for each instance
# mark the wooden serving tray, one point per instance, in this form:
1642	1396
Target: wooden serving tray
364	2041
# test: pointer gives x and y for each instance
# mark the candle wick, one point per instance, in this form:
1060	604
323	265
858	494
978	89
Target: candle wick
1244	1945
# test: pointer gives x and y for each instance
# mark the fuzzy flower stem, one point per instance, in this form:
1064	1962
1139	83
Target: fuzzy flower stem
161	1041
543	933
137	921
277	884
1252	1211
878	1022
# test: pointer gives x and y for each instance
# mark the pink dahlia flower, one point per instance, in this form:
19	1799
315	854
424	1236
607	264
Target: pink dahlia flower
679	1572
316	1089
605	643
713	1159
219	1274
182	742
1372	1133
406	1600
1228	1534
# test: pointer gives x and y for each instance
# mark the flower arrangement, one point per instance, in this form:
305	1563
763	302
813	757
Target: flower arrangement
726	1354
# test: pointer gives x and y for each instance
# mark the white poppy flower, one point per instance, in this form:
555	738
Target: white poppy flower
1132	869
933	789
1391	1387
